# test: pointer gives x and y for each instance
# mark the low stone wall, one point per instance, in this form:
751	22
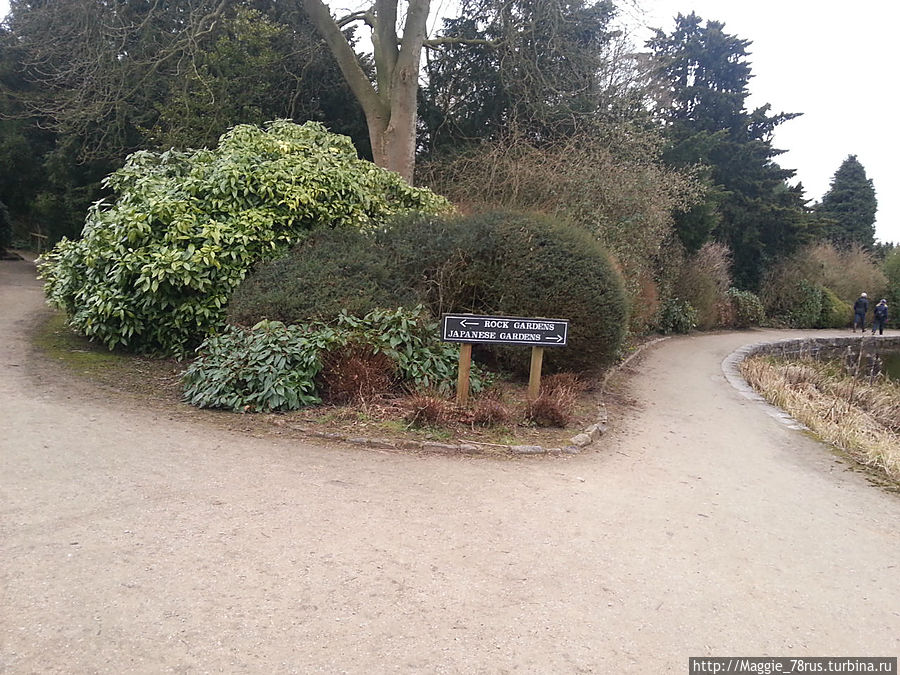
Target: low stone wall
795	348
826	348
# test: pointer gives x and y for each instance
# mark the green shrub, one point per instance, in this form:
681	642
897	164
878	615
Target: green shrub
806	310
268	367
553	269
277	367
516	265
747	308
412	340
154	270
790	294
677	316
332	271
835	312
891	269
501	263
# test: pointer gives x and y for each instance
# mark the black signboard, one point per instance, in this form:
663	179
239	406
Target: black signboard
505	330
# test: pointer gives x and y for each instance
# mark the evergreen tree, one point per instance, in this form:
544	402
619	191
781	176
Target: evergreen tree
847	211
541	66
704	73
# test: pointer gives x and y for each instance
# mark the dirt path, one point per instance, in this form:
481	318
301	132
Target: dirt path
131	542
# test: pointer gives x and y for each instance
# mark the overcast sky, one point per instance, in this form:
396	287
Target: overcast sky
833	62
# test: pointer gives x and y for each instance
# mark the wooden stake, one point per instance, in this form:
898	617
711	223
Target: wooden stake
534	378
462	380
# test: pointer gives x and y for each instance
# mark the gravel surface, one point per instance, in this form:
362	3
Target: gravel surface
136	541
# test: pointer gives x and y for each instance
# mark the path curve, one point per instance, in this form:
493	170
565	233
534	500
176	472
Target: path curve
132	542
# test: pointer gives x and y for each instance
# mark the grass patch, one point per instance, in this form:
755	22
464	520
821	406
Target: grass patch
858	415
57	344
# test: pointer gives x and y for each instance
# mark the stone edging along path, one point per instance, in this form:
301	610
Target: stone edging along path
576	444
795	348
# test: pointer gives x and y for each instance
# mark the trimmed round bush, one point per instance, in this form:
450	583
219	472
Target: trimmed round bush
500	263
153	271
517	264
330	272
556	270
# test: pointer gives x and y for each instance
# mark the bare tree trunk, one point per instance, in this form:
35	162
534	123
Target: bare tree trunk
390	108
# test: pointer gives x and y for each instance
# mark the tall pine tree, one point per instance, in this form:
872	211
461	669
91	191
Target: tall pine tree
847	211
704	73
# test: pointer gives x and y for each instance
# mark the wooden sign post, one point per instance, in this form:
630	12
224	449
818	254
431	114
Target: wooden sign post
462	379
469	329
534	375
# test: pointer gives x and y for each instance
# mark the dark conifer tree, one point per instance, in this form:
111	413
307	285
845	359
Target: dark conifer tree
704	74
847	211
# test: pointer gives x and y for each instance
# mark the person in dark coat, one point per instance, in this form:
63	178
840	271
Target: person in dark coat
860	307
881	316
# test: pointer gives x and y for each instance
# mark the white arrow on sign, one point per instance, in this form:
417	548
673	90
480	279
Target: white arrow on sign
557	338
466	324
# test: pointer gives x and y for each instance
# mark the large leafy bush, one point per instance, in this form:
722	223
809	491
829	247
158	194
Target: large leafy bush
269	367
273	366
677	316
154	270
500	263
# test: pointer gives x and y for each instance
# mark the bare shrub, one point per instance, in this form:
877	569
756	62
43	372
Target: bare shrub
704	282
646	304
355	372
848	272
792	290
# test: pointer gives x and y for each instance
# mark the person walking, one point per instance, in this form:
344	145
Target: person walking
880	318
860	307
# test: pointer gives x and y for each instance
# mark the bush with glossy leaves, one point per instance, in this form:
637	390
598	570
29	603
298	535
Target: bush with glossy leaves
153	270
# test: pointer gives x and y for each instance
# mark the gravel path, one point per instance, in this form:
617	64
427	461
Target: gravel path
134	541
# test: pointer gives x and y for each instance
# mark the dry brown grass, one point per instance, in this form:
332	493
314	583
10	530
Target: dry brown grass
861	416
427	410
489	410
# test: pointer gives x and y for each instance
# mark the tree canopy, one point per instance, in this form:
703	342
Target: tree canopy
83	83
544	68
